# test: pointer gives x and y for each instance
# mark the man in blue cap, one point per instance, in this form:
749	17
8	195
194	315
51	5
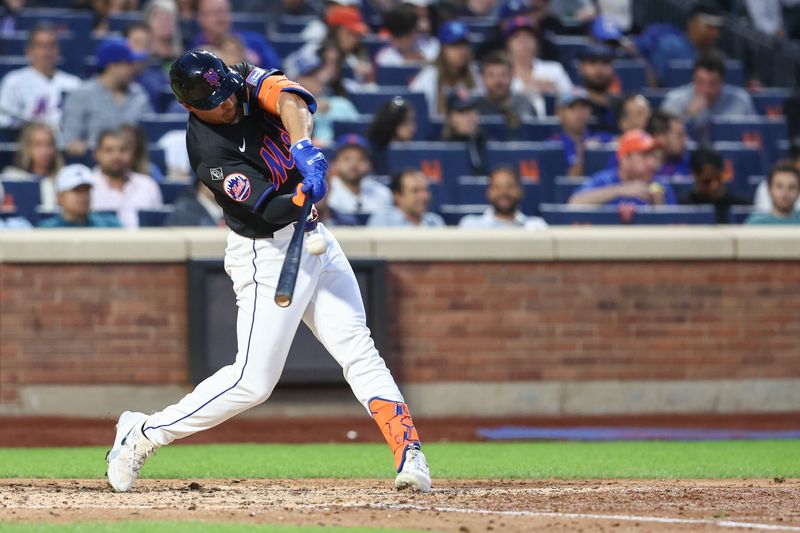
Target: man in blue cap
352	189
596	71
106	101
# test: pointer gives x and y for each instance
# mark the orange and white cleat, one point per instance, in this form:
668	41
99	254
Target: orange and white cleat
398	429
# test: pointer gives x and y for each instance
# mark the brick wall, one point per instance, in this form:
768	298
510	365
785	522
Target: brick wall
126	323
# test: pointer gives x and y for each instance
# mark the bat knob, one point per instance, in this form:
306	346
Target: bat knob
283	300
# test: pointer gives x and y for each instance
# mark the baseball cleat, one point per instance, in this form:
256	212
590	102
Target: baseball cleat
414	473
131	449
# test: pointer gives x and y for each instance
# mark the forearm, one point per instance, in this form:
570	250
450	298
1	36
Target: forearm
295	115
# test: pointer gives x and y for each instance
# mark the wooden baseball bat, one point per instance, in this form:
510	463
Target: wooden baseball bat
291	263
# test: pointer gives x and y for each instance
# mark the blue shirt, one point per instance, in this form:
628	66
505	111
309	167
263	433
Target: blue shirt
609	177
589	140
660	44
678	167
95	220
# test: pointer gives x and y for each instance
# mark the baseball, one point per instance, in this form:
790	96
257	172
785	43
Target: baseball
352	434
315	244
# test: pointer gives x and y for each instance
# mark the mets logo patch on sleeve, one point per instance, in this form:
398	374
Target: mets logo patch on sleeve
237	186
255	75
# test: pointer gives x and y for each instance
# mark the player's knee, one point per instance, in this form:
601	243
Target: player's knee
255	393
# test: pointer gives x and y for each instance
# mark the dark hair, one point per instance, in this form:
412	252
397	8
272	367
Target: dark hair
704	156
396	185
660	122
498	57
401	20
784	165
621	107
505	168
711	60
794	152
108	133
386	121
133	26
41	27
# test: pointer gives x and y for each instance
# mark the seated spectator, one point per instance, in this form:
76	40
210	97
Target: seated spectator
661	43
214	19
394	121
707	96
670	136
762	201
574	111
106	101
634	181
784	191
150	74
573	13
463	125
166	42
596	71
498	99
38	159
10	11
346	30
35	92
404	46
352	190
196	207
137	139
453	70
532	76
411	200
504	193
116	186
74	186
330	107
634	112
709	185
538	12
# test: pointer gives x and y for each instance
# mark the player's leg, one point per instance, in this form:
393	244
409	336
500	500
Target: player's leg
264	334
336	316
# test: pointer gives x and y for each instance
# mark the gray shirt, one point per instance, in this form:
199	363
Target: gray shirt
732	101
519	104
394	218
90	109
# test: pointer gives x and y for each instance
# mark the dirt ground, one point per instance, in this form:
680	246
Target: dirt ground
457	506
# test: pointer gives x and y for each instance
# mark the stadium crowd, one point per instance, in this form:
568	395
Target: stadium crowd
476	113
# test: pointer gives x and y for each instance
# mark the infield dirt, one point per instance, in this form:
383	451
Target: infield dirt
454	505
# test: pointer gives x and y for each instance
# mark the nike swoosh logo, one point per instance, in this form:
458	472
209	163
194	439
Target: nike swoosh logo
241	148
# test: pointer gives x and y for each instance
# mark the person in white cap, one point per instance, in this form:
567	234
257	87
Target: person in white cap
74	188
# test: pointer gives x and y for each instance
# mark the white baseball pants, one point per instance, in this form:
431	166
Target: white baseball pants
326	298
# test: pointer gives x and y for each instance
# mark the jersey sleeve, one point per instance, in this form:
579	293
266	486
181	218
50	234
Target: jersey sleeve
265	86
237	182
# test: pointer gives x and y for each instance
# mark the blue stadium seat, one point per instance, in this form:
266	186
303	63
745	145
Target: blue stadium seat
559	214
540	129
360	126
25	196
154	218
289	24
171	191
565	186
155	126
739	213
569	47
119	22
631	73
494	126
395	75
284	44
157	157
471	190
741	162
679	72
7	152
536	162
654	96
9	135
682	185
763	133
79	22
769	102
441	162
437	196
597	159
453	213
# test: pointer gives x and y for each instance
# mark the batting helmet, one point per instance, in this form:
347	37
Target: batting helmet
202	80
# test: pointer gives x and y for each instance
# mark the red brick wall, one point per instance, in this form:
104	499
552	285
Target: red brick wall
94	323
73	324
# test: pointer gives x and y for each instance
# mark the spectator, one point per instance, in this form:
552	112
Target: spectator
196	207
11	221
428	43
34	92
231	49
504	193
763	201
661	43
462	125
784	191
634	181
596	71
346	30
404	46
38	159
166	42
352	191
330	108
453	70
394	121
538	12
116	186
707	96
74	186
533	77
411	200
574	111
140	162
9	12
149	75
634	112
670	136
709	185
110	99
214	19
498	99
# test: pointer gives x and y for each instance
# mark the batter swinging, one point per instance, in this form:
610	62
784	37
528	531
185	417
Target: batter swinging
248	141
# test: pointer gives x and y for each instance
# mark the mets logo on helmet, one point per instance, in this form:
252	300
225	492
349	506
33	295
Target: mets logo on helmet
237	186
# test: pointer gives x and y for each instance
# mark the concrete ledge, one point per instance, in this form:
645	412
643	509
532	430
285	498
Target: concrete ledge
766	242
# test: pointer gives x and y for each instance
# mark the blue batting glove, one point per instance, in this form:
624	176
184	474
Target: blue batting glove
312	165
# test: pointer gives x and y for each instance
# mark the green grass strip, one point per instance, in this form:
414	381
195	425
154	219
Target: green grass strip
518	460
194	527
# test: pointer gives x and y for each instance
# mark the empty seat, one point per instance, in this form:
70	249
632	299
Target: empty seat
741	162
25	196
154	218
401	75
762	133
769	102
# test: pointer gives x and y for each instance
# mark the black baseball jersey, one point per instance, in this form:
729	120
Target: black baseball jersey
248	164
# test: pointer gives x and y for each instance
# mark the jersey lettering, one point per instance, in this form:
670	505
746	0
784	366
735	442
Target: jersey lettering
277	158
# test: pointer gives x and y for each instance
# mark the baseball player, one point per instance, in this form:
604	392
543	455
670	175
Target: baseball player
248	141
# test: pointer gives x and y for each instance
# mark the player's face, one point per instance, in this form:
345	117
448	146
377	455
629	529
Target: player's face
75	203
224	113
784	191
352	164
504	193
414	196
